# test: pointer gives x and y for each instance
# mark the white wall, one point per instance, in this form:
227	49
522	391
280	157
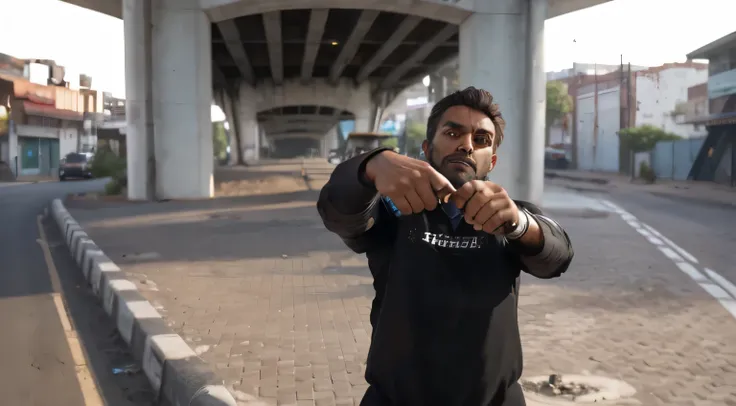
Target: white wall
12	148
68	141
600	155
658	93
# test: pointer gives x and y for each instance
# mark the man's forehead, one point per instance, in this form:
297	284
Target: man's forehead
466	117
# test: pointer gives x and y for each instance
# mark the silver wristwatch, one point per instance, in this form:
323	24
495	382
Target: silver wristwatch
521	227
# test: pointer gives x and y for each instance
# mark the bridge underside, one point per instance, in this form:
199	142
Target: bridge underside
389	49
287	71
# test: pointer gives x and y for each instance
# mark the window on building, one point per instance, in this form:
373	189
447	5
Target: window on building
41	121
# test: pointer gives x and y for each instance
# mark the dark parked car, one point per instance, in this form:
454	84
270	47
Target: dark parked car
75	165
555	159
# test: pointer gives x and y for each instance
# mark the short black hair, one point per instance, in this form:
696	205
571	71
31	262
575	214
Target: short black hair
476	99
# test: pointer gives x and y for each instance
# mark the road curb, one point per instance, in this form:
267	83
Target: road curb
571	177
174	370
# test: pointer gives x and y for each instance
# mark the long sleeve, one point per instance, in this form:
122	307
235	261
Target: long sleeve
352	209
555	254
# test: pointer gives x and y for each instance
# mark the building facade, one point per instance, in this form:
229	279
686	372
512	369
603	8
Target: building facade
43	122
606	103
716	160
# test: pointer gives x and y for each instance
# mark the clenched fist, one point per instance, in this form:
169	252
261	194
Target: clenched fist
413	185
486	206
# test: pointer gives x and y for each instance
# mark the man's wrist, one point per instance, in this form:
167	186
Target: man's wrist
365	172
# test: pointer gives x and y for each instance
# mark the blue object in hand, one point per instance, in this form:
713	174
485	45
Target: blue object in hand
391	206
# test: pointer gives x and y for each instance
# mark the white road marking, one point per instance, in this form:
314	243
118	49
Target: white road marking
669	242
86	380
725	283
714	284
669	253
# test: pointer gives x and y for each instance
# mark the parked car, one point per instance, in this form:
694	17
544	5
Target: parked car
75	165
555	158
334	157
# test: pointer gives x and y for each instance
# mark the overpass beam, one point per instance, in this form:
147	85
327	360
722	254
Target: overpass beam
272	25
393	42
317	21
350	47
234	45
512	69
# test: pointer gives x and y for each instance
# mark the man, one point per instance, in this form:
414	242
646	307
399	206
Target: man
445	248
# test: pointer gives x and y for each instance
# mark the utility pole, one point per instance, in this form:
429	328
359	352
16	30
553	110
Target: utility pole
629	97
629	101
595	114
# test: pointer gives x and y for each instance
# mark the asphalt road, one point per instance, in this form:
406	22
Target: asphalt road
706	230
39	363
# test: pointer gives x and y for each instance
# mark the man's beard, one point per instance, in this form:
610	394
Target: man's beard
456	178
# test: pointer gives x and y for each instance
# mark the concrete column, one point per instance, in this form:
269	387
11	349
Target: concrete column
536	109
182	95
330	141
250	133
138	106
226	104
504	67
364	121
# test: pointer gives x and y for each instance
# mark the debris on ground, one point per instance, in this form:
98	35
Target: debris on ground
555	386
130	369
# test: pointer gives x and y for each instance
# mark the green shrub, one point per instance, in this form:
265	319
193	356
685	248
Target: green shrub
114	188
106	164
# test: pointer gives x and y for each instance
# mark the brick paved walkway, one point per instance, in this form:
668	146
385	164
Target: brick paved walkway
280	308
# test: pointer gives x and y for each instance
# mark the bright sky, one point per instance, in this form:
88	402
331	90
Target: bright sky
646	32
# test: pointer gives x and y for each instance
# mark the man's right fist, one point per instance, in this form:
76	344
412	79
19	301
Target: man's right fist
413	185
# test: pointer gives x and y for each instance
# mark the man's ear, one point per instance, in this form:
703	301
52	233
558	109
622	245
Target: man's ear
425	149
493	162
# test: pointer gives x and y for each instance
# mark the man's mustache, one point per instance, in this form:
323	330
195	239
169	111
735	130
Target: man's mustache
461	158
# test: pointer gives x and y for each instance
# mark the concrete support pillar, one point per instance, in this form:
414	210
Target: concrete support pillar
536	108
364	121
225	101
250	133
330	141
182	97
511	68
138	107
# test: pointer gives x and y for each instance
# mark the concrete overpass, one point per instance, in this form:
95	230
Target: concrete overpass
286	68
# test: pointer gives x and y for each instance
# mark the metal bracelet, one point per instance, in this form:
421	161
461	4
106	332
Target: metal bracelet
521	227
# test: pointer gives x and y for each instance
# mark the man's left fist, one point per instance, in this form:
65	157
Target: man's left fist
487	206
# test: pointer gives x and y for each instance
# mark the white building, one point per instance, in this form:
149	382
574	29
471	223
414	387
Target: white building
660	90
655	95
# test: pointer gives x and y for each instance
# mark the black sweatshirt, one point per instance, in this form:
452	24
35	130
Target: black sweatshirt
444	318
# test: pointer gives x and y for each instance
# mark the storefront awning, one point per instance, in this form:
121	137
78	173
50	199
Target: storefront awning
34	109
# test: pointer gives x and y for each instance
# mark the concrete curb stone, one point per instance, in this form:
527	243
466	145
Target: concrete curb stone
174	370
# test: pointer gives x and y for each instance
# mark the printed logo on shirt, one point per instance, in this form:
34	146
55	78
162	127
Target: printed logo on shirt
452	241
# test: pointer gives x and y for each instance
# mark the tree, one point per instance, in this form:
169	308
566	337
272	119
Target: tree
219	141
392	142
559	103
416	133
644	138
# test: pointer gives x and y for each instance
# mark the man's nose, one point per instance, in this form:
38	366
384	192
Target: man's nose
466	144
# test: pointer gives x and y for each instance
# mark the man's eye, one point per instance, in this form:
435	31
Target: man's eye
482	140
452	133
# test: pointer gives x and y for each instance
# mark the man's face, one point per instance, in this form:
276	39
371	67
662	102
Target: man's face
462	148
